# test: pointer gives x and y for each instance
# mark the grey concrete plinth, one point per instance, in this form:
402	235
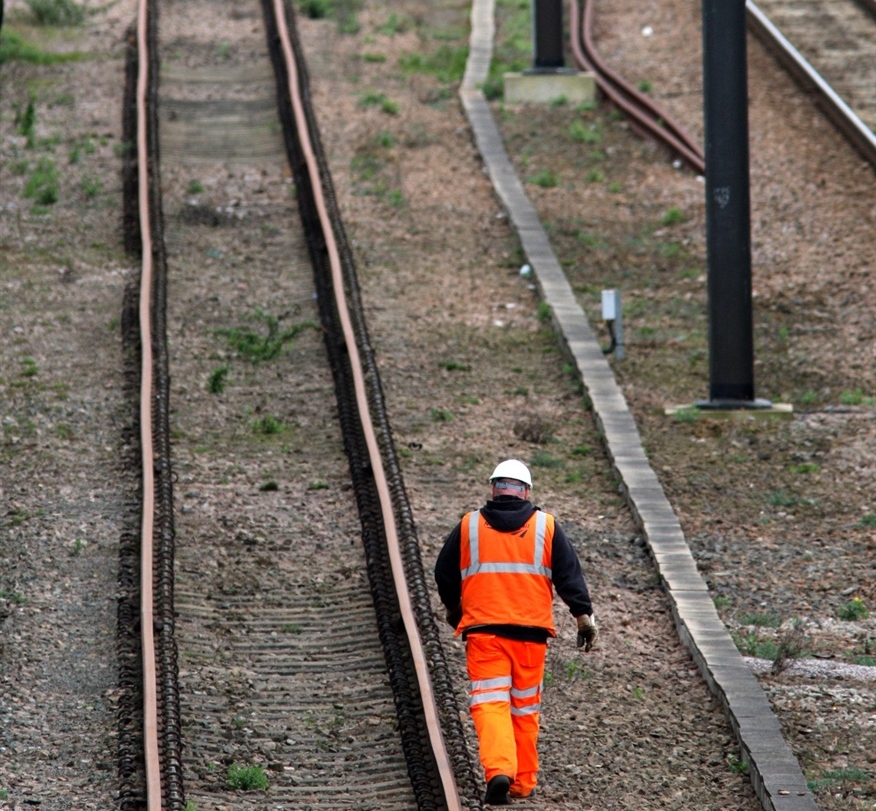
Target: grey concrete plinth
781	411
543	88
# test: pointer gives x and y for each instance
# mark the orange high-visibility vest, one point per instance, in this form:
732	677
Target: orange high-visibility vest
506	576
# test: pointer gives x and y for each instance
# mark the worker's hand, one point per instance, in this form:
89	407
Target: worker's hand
587	632
453	616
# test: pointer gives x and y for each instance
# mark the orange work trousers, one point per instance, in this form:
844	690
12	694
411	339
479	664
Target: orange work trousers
506	677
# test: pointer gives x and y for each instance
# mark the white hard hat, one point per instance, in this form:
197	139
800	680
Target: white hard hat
512	469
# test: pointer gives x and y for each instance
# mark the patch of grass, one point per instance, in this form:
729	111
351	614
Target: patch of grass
753	645
12	597
761	620
687	415
90	186
804	468
269	487
374	58
42	186
780	498
868	520
543	312
853	611
217	380
546	460
447	64
644	85
455	366
584	134
292	629
195	187
247	778
546	179
318	485
721	602
835	778
856	397
672	217
315	9
374	98
595	176
63	13
25	123
268	425
395	24
29	367
440	415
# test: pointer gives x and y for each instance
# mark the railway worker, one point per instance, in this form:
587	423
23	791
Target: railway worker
495	574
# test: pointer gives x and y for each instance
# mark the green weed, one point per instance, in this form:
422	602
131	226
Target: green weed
672	217
268	425
29	367
543	312
56	12
217	380
868	520
440	415
43	183
737	765
394	25
546	179
91	186
446	64
688	415
247	778
587	135
315	9
853	611
26	123
595	176
257	348
834	778
455	366
804	468
195	187
721	602
643	85
545	459
374	98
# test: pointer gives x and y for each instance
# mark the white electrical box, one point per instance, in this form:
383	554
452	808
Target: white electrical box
610	300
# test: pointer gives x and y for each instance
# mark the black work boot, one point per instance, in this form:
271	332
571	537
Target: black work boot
497	790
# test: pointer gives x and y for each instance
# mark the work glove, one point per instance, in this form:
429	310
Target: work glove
453	616
587	632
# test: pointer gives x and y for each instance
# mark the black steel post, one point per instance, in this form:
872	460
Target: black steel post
728	217
547	34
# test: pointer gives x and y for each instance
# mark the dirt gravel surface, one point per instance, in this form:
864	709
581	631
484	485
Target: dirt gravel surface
779	514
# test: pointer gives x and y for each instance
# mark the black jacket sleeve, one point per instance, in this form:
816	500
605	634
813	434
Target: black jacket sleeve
447	573
567	576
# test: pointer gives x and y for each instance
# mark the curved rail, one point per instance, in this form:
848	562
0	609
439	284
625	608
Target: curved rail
645	115
842	116
439	749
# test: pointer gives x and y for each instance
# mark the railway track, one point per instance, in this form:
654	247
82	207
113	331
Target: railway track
830	48
303	666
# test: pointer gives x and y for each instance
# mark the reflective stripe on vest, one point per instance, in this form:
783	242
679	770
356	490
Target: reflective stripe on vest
536	567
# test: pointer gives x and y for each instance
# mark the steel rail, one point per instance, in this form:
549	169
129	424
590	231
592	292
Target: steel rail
842	116
644	114
439	749
150	689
